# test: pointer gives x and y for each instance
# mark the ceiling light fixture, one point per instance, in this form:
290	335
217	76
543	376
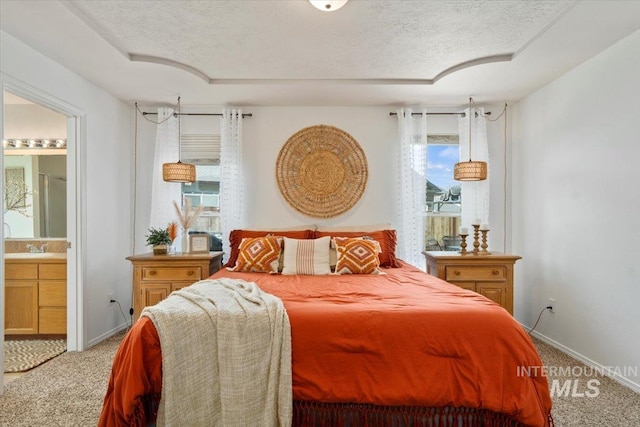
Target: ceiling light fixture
328	5
178	172
472	170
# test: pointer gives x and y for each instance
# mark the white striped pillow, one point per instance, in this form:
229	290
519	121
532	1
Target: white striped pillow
306	256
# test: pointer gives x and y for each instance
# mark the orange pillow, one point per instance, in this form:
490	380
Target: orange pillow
236	236
357	256
386	238
258	255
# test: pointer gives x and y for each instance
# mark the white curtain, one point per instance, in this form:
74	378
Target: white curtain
167	151
475	194
411	186
231	175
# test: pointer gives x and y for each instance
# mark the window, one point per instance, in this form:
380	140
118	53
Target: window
204	152
444	195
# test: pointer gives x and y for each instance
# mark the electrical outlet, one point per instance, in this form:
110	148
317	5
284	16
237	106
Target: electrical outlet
110	298
552	304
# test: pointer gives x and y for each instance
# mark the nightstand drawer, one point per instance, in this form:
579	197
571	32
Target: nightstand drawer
463	272
172	274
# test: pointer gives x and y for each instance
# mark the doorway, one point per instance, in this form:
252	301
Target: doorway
42	196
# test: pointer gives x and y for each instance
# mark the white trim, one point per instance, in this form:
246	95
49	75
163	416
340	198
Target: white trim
2	241
584	359
76	176
108	334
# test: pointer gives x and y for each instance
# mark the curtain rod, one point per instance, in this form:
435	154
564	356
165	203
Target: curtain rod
488	113
144	113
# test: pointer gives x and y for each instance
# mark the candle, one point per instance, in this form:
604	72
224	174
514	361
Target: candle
464	231
484	227
476	221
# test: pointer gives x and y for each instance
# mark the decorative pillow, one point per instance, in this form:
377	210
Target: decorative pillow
357	256
258	255
386	238
236	236
306	256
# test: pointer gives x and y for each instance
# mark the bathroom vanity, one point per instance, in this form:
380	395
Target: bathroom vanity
35	293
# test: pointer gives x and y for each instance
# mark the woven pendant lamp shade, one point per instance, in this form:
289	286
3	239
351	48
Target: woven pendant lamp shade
470	171
473	170
178	172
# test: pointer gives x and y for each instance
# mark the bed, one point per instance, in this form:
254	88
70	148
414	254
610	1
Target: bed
398	348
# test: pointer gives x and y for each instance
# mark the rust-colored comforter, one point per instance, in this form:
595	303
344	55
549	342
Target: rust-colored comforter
402	339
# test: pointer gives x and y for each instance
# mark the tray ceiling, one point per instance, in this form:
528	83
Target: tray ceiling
272	52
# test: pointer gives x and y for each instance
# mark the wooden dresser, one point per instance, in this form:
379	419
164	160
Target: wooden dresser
489	275
156	276
35	293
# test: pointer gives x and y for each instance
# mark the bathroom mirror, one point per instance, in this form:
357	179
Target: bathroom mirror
35	196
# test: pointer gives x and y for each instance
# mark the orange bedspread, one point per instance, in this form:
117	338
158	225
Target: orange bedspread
402	339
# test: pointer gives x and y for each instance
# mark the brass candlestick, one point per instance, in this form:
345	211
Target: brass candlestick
463	244
476	235
484	242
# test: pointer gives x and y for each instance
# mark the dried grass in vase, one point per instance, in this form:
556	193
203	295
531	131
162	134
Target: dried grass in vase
187	216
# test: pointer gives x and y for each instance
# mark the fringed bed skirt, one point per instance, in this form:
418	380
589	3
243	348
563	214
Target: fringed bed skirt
316	414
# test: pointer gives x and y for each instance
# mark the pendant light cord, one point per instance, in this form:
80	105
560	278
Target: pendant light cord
470	102
504	182
179	133
135	189
176	111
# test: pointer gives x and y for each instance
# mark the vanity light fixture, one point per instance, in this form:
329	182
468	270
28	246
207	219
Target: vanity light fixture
33	143
328	5
472	170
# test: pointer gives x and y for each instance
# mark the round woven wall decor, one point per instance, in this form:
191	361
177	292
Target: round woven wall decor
321	171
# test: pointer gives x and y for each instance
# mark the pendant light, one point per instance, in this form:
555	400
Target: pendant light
178	172
471	170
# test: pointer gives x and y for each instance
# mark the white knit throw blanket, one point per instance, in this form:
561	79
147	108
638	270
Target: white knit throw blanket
226	356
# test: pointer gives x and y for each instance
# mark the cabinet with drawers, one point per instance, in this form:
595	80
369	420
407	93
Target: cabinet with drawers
490	275
156	276
35	294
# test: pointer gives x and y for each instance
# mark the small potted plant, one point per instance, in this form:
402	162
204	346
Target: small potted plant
159	239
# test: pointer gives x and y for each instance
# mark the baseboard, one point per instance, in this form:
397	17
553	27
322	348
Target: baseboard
107	334
590	363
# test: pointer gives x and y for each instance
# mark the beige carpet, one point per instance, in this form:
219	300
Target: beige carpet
22	355
68	391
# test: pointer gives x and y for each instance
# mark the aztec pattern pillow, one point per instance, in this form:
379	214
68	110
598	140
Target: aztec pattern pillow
306	256
236	236
258	255
386	238
357	256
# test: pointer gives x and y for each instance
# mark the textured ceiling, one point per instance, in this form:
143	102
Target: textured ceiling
291	40
271	52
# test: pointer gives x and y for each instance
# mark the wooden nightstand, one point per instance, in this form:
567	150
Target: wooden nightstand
489	275
156	276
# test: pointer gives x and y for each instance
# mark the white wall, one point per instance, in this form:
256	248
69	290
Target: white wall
106	195
575	208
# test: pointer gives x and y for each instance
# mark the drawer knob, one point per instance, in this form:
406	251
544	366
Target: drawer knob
456	272
495	272
152	272
190	273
